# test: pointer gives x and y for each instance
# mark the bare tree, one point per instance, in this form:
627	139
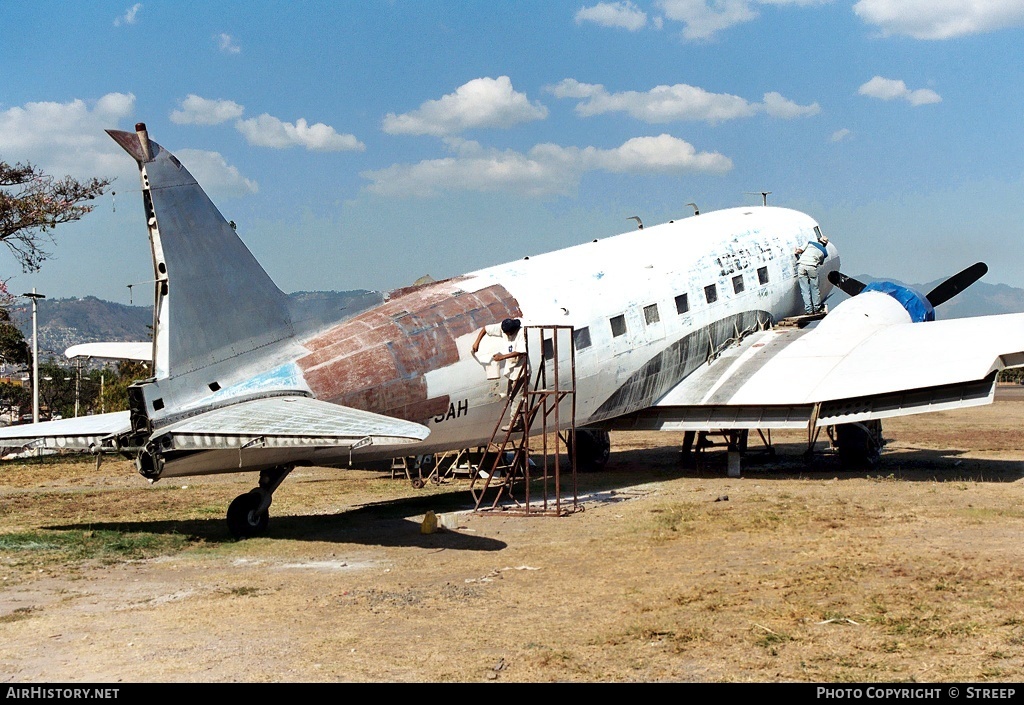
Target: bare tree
33	203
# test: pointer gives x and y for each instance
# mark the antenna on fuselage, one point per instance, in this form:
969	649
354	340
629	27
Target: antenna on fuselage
639	223
696	210
764	196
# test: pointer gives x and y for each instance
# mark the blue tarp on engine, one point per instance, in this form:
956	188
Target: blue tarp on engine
919	308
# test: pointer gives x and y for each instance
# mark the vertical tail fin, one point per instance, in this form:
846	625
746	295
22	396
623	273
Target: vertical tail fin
213	299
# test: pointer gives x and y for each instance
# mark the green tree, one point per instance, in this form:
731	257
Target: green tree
13	397
14	350
56	389
33	203
115	388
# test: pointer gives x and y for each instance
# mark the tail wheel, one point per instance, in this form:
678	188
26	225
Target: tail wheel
244	518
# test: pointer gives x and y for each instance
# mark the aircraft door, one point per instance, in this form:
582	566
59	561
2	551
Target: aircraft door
628	330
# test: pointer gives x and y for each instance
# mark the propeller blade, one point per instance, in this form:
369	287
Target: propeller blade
848	284
956	283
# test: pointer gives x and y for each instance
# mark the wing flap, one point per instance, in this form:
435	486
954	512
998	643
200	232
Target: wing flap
287	422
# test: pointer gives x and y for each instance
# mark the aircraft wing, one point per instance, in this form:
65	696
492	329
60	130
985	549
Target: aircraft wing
838	373
287	421
82	433
273	422
142	352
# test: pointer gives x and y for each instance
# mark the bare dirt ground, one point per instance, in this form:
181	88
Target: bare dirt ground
909	571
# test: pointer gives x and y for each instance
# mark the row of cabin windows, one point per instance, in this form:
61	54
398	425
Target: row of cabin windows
651	315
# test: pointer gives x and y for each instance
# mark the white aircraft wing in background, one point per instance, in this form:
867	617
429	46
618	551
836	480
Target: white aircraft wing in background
141	352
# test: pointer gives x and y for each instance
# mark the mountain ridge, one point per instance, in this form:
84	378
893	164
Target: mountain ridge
89	319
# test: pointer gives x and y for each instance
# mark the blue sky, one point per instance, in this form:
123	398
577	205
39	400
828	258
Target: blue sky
365	144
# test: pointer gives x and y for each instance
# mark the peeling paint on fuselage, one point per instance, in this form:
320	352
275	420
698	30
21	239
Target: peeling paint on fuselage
378	360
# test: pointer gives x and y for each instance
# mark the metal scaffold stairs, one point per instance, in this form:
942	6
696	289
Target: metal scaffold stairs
522	471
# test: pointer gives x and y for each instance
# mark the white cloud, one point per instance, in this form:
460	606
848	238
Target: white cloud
482	102
571	88
625	15
663	153
202	111
268	131
840	135
704	18
214	174
940	19
130	15
892	89
674	103
778	107
547	169
227	44
67	138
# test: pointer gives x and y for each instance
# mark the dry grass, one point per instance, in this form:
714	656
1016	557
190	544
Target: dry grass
911	571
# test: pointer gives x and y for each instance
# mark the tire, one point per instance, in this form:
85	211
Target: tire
243	521
593	449
859	444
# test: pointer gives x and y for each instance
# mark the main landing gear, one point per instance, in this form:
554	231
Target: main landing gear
249	513
593	448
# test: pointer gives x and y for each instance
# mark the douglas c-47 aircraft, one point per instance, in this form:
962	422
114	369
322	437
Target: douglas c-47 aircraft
673	328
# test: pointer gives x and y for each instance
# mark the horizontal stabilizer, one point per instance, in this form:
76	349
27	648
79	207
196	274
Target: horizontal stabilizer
82	433
142	352
287	422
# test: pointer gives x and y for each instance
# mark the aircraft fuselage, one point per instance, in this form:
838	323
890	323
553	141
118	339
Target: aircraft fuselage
679	291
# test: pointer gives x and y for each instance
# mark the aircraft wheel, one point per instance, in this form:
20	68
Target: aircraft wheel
243	520
859	445
593	448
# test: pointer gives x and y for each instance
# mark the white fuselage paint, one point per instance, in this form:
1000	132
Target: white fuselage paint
587	285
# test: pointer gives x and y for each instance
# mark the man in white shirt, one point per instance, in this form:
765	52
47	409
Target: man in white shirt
513	354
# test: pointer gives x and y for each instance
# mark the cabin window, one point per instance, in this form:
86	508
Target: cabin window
581	337
618	326
762	275
711	293
682	303
651	314
737	284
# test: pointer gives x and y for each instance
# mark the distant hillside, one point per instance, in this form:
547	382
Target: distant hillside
66	322
979	299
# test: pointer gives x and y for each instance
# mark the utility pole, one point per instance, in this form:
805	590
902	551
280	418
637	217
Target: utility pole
78	382
35	355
